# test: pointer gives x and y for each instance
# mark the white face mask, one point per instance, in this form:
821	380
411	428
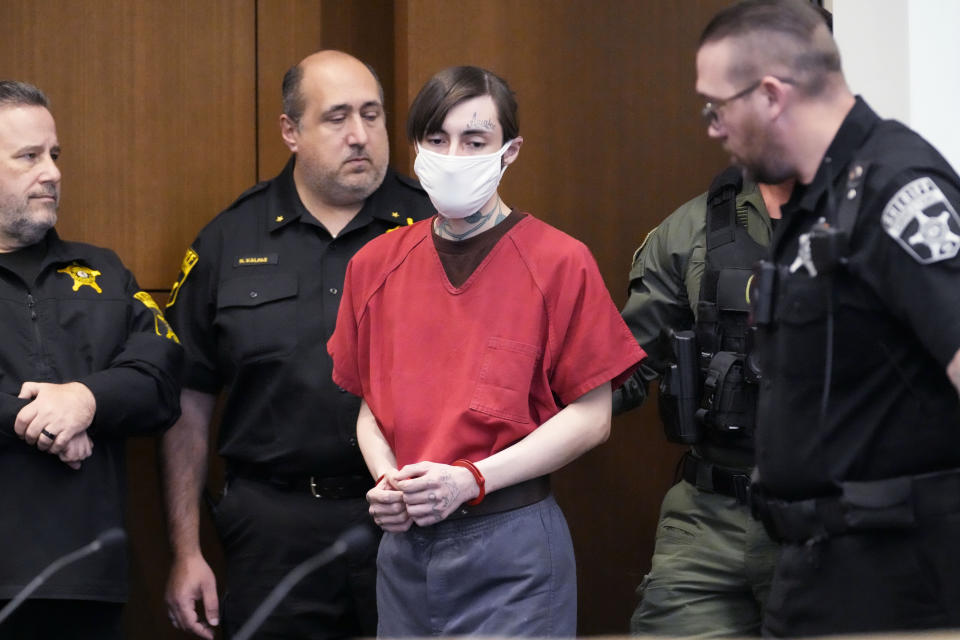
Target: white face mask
459	185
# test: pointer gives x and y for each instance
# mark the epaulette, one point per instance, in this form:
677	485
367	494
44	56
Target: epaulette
636	254
257	188
408	182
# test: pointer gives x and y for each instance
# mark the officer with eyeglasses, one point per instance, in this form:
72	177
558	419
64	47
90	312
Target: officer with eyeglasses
858	433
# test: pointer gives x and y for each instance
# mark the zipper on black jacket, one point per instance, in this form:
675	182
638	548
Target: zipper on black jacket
32	306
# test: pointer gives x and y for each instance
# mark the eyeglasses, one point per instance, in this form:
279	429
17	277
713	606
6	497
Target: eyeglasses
711	110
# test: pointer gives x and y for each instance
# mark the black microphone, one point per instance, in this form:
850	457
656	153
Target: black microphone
107	538
354	538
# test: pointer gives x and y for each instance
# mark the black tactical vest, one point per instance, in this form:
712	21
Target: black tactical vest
729	372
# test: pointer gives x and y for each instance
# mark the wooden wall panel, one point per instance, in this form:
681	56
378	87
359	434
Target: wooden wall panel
613	136
613	143
154	107
365	29
287	32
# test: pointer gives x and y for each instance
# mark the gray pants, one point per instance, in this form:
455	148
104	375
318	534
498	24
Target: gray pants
505	574
712	568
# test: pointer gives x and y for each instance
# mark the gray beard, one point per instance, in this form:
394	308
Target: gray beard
21	228
32	233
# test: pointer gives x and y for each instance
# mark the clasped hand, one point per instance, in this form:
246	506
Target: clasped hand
56	419
423	493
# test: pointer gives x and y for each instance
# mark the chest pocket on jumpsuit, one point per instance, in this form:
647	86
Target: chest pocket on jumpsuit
257	315
506	376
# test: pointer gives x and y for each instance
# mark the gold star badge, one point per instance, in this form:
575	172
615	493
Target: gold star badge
395	214
82	276
279	219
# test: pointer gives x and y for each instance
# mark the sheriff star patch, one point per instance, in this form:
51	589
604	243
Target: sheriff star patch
82	276
922	221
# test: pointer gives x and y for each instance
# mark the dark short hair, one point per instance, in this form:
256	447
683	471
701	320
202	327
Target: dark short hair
294	104
15	93
448	88
794	34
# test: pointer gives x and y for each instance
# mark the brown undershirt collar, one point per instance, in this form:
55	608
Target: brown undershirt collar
460	258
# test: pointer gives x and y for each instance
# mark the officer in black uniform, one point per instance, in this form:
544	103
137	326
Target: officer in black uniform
86	360
858	442
255	303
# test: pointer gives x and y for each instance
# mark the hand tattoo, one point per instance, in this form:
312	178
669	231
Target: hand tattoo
448	498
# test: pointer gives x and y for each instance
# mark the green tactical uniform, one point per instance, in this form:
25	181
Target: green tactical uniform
712	563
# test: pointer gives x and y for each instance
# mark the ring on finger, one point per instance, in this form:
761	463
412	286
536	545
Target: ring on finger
52	436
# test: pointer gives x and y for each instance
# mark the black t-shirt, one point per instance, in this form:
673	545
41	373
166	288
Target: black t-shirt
257	301
26	262
872	341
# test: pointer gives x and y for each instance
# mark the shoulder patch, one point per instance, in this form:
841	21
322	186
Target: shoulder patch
159	322
410	222
922	221
189	260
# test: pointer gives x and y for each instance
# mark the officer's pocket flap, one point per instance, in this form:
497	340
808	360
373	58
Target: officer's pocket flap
803	301
252	291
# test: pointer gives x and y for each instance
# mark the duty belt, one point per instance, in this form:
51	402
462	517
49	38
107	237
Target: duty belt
506	499
328	487
895	503
707	476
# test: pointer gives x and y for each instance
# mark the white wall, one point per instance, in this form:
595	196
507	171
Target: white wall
903	56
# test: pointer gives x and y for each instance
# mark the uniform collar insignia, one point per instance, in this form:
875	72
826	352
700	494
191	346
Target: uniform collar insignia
280	218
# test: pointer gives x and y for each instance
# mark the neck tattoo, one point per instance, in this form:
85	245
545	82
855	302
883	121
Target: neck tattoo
476	221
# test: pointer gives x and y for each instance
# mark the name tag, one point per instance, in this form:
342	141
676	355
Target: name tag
249	261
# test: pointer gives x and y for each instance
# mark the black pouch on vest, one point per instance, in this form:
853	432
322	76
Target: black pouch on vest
729	399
